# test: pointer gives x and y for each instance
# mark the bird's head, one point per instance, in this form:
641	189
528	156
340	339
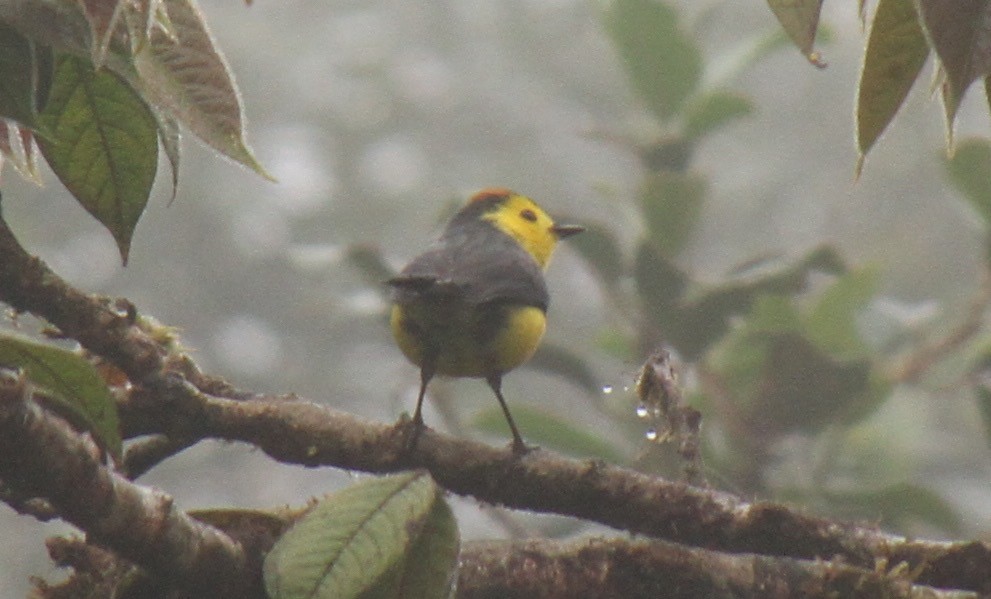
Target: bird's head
522	219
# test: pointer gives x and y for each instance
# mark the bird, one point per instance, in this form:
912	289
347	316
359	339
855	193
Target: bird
474	303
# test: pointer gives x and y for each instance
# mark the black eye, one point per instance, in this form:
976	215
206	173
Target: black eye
529	215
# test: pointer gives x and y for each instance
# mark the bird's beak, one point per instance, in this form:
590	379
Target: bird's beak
563	231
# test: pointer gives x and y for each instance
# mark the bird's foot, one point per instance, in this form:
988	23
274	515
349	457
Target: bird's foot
520	448
409	429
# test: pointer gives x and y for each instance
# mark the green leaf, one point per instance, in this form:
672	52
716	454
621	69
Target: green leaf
696	321
101	140
970	172
72	383
430	569
599	247
672	204
16	88
714	110
353	540
800	20
832	321
183	74
774	314
959	34
800	387
548	430
660	282
896	52
663	62
803	371
560	361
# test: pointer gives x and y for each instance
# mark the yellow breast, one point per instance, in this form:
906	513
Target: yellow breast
464	348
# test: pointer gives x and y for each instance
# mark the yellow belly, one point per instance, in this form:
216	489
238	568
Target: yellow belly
468	344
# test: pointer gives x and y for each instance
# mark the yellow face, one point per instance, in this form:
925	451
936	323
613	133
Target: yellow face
522	219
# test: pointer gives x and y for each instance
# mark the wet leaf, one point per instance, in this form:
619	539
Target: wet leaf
800	20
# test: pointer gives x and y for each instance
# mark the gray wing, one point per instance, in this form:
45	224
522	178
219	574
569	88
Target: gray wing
478	268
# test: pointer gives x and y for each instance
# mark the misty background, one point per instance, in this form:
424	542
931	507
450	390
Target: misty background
378	118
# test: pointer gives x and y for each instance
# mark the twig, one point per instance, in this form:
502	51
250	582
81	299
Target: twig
660	395
915	364
144	455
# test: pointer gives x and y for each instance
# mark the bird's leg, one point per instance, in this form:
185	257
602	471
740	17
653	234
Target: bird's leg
519	447
426	373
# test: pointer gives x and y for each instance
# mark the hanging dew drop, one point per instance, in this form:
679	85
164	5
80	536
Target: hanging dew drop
607	389
642	411
651	434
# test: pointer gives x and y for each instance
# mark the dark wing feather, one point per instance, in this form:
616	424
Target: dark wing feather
478	264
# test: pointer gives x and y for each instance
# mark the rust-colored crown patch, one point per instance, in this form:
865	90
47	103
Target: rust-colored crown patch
491	194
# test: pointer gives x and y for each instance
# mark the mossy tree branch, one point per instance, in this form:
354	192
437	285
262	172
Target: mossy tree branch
171	397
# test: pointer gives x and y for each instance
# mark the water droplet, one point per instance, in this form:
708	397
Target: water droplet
642	411
626	388
651	434
607	389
